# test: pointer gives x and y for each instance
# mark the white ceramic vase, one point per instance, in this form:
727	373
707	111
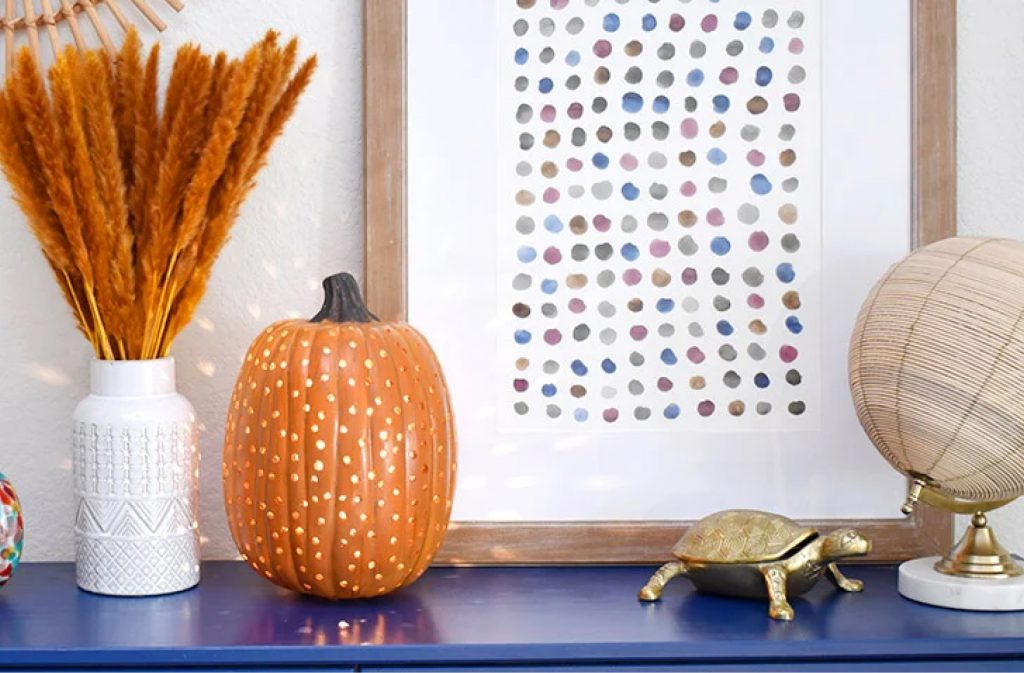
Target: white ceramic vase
136	471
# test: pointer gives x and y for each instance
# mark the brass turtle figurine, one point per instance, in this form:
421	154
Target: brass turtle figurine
754	554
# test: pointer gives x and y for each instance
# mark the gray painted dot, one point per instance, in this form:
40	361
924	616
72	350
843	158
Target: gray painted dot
727	352
763	408
790	243
554	411
547	27
574	26
793	377
634	75
549	310
698	49
521	408
665	79
666	51
524	113
605	278
607	392
750	132
522	83
752	276
547	54
523	168
520	27
797	74
796	19
550	367
666	329
695	330
734	48
580	252
691	305
606	309
608	336
658	191
657	221
641	413
599	105
604	251
525	225
522	281
688	246
797	408
722	303
659	130
572	82
790	185
629	224
717	185
631	131
748	213
525	141
756	352
636	359
770	18
690	104
731	379
635	387
601	190
719	276
576	191
581	332
787	132
579	137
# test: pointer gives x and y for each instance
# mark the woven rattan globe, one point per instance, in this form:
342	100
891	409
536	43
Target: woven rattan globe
937	367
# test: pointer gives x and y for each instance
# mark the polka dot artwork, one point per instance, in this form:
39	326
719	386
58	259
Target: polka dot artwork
658	233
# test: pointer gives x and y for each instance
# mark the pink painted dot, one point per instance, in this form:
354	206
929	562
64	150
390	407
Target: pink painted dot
552	255
709	23
602	48
632	277
610	415
796	46
758	241
706	408
638	332
559	4
551	195
755	158
676	23
689	128
664	384
602	223
629	162
755	300
575	111
577	305
791	102
688	188
695	355
788	353
574	165
660	248
547	113
715	217
689	275
729	75
520	385
552	337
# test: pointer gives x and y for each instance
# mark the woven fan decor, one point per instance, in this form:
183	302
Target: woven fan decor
52	12
937	367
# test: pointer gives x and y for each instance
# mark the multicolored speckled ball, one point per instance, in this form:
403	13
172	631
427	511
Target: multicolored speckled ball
12	530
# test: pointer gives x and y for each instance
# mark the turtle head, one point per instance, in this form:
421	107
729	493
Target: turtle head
845	542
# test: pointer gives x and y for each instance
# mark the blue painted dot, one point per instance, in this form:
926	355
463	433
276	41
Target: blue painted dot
632	102
548	286
786	274
761	380
611	22
649	23
724	327
763	77
660	104
742	21
630	251
760	184
793	324
573	58
548	390
630	191
716	156
526	254
545	85
695	77
522	336
578	368
672	411
522	56
720	103
580	415
600	160
553	224
608	366
665	305
720	245
668	356
766	46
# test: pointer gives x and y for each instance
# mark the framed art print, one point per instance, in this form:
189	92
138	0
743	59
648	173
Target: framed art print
637	233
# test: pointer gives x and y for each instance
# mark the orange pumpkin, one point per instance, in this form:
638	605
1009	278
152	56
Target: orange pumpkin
339	452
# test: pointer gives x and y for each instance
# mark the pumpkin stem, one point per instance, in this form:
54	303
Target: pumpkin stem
343	302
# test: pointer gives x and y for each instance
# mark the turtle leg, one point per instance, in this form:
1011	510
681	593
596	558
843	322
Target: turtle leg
775	582
841	581
652	590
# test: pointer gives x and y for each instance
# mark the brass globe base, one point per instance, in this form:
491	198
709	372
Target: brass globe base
979	555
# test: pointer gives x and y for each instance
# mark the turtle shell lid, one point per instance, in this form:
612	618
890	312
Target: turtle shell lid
742	536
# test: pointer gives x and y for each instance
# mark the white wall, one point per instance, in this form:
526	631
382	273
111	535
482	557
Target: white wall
313	186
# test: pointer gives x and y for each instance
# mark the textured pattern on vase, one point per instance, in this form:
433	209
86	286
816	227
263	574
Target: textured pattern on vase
136	507
12	530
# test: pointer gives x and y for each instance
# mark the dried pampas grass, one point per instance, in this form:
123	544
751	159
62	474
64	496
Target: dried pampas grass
131	203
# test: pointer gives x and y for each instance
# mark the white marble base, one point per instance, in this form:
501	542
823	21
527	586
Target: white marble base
921	582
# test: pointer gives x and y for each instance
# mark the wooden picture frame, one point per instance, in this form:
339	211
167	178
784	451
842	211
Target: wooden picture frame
927	531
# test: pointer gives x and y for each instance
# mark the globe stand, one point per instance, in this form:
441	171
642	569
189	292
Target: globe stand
979	555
